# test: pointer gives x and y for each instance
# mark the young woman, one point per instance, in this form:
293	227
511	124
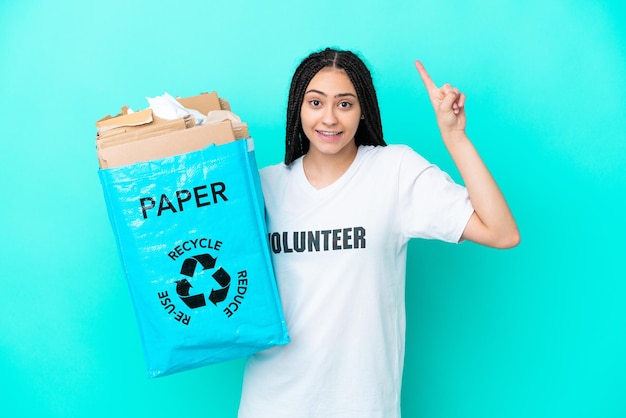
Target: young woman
340	212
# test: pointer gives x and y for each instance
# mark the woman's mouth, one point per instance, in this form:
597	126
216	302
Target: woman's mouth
329	135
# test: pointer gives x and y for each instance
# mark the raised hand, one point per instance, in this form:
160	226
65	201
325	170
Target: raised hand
448	102
492	223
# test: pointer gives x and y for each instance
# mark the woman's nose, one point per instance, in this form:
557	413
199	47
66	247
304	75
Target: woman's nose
329	118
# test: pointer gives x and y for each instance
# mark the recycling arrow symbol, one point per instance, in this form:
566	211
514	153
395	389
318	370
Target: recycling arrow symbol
189	268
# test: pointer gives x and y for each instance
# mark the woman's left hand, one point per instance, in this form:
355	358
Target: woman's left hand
448	102
492	223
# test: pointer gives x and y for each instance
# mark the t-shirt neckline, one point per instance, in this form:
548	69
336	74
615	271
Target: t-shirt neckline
337	184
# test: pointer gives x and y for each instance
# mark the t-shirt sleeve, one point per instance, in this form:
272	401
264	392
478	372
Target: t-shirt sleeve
431	204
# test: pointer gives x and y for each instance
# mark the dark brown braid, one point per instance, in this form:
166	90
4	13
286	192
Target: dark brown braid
370	130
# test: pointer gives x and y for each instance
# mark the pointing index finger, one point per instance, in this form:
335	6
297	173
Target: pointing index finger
428	82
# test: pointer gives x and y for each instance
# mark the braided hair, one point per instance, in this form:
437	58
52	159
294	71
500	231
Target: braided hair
369	132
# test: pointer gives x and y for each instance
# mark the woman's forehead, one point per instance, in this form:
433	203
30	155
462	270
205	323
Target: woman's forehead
331	81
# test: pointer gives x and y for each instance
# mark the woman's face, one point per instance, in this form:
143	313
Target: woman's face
330	113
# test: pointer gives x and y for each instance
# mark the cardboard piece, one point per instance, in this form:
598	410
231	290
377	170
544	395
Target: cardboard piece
203	103
158	126
128	138
125	119
166	145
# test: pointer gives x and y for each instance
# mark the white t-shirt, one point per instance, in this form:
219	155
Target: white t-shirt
340	260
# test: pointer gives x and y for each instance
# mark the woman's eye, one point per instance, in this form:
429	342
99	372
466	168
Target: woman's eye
345	105
315	103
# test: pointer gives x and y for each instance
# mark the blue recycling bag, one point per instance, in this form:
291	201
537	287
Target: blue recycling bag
192	240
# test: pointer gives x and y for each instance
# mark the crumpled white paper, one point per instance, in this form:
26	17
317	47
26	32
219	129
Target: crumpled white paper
167	107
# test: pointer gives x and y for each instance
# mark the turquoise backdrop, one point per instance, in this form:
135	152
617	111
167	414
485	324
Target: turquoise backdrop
537	331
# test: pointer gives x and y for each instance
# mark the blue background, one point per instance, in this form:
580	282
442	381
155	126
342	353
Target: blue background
537	331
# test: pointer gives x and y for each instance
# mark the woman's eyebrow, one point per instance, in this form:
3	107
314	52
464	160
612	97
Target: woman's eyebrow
337	95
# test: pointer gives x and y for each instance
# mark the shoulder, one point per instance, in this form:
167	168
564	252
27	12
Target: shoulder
274	171
277	175
397	154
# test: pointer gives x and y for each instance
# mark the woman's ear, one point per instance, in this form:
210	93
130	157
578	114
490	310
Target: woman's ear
362	116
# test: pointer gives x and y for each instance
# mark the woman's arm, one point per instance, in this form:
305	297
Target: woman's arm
492	223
